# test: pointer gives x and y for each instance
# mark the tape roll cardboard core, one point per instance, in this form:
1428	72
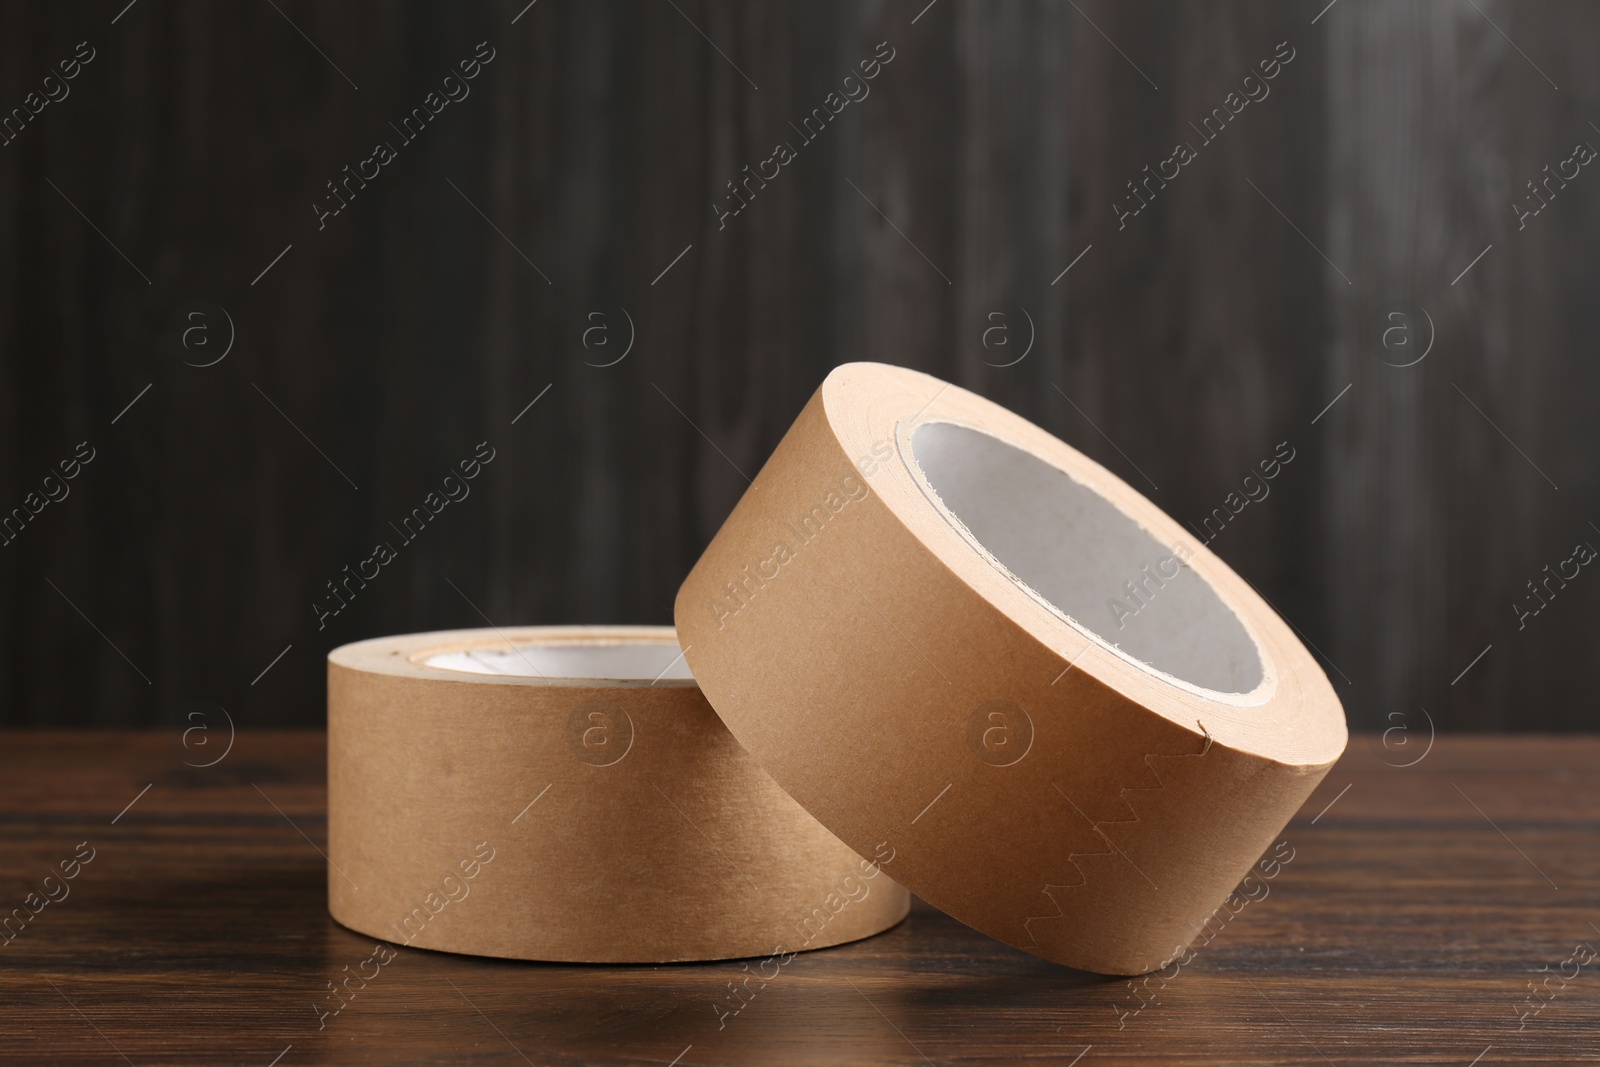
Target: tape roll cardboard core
632	661
1025	513
935	624
566	794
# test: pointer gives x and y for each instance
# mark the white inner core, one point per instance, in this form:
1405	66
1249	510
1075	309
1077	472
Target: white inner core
642	661
1079	553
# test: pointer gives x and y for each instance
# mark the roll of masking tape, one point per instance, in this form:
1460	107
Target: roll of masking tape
938	626
566	794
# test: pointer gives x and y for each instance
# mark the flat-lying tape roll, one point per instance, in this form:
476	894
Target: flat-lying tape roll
935	624
566	794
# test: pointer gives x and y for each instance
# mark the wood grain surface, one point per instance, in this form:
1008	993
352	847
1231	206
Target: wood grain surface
931	221
1419	904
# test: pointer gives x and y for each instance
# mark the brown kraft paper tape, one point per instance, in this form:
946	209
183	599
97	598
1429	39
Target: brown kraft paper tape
566	794
938	626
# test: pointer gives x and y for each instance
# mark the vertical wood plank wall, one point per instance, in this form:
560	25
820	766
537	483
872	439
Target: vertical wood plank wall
577	190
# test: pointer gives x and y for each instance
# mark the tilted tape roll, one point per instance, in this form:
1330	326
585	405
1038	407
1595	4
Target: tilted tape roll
937	625
567	794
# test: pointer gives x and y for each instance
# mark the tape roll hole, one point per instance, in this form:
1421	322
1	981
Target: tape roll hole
1087	559
625	661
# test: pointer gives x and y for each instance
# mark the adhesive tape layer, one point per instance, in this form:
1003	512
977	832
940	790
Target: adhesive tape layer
566	794
935	624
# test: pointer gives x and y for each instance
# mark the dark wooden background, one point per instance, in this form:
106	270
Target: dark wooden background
1217	324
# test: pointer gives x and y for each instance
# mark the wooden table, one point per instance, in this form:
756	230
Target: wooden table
1405	930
